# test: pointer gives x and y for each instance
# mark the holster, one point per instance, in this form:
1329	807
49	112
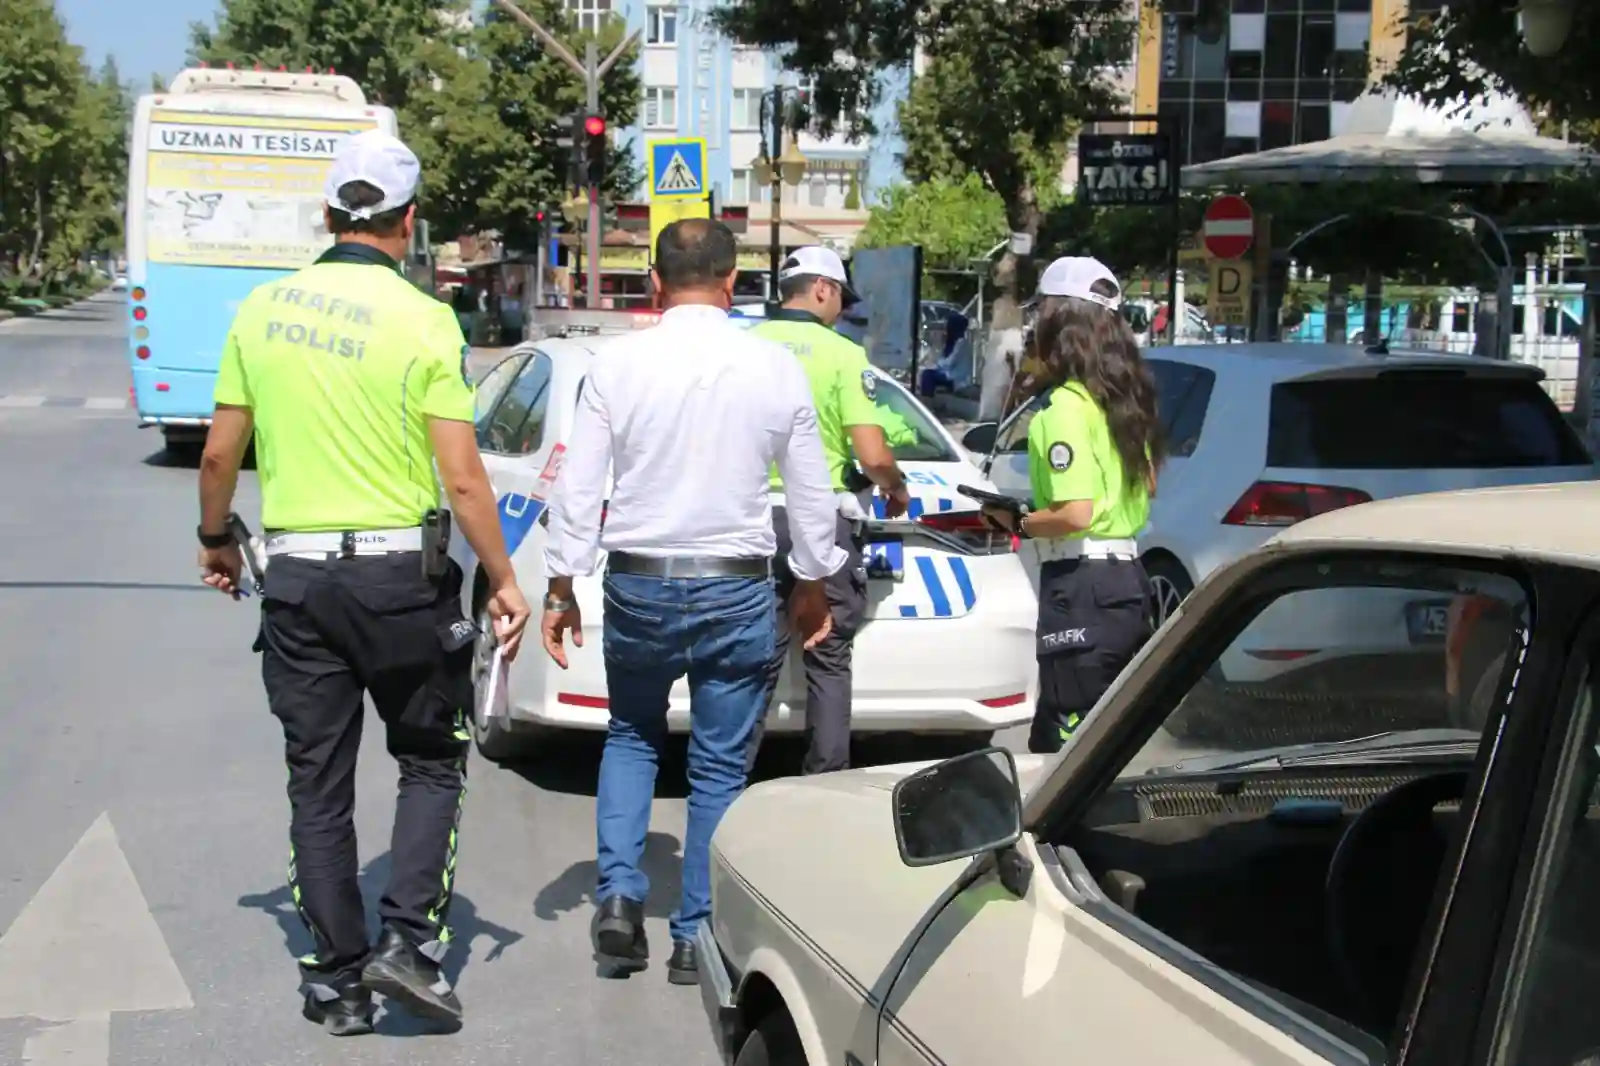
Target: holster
435	544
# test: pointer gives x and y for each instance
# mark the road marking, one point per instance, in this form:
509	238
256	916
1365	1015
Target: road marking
106	403
84	947
22	401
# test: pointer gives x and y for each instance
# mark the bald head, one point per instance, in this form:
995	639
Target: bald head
695	253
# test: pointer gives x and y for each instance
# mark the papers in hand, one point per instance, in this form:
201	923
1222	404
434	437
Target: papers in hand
496	682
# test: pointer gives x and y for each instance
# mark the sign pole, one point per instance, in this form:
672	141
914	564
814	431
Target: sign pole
591	63
1169	126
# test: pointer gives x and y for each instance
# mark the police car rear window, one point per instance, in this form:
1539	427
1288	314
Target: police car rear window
1409	420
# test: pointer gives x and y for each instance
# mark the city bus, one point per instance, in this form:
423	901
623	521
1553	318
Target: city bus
224	193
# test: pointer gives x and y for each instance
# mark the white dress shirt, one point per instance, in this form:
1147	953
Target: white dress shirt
688	416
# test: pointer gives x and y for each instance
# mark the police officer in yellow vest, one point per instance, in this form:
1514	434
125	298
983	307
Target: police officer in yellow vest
1093	452
355	385
815	290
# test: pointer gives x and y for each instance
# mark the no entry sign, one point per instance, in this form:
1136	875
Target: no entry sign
1229	227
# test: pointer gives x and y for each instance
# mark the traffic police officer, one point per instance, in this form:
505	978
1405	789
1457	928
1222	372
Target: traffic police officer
815	291
355	384
1093	452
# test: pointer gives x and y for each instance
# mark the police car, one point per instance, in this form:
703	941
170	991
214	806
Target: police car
948	644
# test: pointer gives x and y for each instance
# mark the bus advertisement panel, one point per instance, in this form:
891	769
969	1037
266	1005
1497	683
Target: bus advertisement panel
239	190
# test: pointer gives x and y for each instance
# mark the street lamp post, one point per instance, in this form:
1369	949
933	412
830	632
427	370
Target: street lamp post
773	170
577	212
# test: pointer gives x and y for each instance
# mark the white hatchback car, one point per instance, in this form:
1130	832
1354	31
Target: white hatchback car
948	644
1261	436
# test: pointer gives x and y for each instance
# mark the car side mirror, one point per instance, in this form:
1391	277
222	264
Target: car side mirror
979	440
958	808
1137	317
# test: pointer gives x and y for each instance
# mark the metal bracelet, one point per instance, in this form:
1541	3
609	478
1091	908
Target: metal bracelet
553	604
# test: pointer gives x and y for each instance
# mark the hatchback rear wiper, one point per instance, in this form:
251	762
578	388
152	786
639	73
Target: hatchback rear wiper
1408	743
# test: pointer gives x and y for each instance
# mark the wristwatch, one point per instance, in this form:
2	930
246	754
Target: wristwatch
551	603
213	541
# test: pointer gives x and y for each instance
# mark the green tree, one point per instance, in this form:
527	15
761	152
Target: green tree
1473	46
955	221
62	145
1007	85
525	107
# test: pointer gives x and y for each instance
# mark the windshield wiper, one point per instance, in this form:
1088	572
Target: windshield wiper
1408	743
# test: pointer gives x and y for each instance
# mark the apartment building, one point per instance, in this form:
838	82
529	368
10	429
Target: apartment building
1242	76
697	83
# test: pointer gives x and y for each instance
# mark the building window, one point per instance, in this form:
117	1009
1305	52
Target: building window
1316	48
1277	125
589	15
1282	45
739	187
746	109
818	190
660	108
661	24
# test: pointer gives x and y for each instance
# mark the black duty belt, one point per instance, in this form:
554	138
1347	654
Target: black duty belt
687	567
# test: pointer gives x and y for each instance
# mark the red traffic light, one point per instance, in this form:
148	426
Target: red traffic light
538	216
594	125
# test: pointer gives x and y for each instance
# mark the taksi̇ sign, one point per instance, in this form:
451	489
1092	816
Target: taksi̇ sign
1126	168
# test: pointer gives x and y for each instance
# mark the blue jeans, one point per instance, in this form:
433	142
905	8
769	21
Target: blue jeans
721	632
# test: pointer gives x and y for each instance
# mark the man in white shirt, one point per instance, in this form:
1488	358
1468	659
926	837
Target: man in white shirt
689	417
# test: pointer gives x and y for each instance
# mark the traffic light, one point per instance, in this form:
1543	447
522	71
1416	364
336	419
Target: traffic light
595	144
573	142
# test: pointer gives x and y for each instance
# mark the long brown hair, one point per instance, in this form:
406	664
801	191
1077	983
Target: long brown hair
1078	340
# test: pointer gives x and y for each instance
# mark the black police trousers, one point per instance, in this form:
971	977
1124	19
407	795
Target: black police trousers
1094	616
828	665
331	631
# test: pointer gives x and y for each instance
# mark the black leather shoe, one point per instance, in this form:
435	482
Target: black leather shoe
404	974
618	930
350	1014
683	968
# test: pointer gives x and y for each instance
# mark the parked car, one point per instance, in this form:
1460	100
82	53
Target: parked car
1411	896
1262	436
948	645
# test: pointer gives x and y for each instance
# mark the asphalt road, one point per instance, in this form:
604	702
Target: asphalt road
143	846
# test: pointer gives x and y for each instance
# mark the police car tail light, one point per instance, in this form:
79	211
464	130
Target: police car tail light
1283	503
970	527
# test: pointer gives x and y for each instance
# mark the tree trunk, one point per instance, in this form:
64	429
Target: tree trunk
38	229
1014	276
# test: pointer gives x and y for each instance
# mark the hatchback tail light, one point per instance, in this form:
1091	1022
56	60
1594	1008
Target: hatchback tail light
1283	503
970	528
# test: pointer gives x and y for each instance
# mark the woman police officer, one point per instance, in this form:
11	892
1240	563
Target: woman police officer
1093	451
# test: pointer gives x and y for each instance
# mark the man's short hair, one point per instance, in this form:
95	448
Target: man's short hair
693	253
359	194
797	286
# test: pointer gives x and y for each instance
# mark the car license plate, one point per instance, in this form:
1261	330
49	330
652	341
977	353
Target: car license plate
885	560
1427	621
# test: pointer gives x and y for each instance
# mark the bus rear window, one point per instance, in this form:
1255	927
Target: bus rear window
1421	420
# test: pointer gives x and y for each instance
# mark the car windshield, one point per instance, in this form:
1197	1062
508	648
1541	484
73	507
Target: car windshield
914	434
1384	664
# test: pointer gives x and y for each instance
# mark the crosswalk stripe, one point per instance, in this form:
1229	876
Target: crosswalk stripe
106	403
22	401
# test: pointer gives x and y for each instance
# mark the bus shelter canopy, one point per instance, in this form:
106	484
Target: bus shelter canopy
1385	136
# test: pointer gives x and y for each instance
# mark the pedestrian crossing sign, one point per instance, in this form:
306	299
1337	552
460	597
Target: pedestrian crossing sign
678	168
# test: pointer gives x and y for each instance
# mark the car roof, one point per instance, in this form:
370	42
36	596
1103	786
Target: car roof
1280	360
1554	521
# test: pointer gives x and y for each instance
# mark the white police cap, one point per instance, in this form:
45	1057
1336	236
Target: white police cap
382	161
1076	276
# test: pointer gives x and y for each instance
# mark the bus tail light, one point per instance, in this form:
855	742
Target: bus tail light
162	386
143	351
138	293
139	314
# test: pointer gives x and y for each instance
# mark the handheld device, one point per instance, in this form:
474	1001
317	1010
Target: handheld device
250	548
1018	507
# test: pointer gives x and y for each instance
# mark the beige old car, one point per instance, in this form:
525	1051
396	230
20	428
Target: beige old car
1368	862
